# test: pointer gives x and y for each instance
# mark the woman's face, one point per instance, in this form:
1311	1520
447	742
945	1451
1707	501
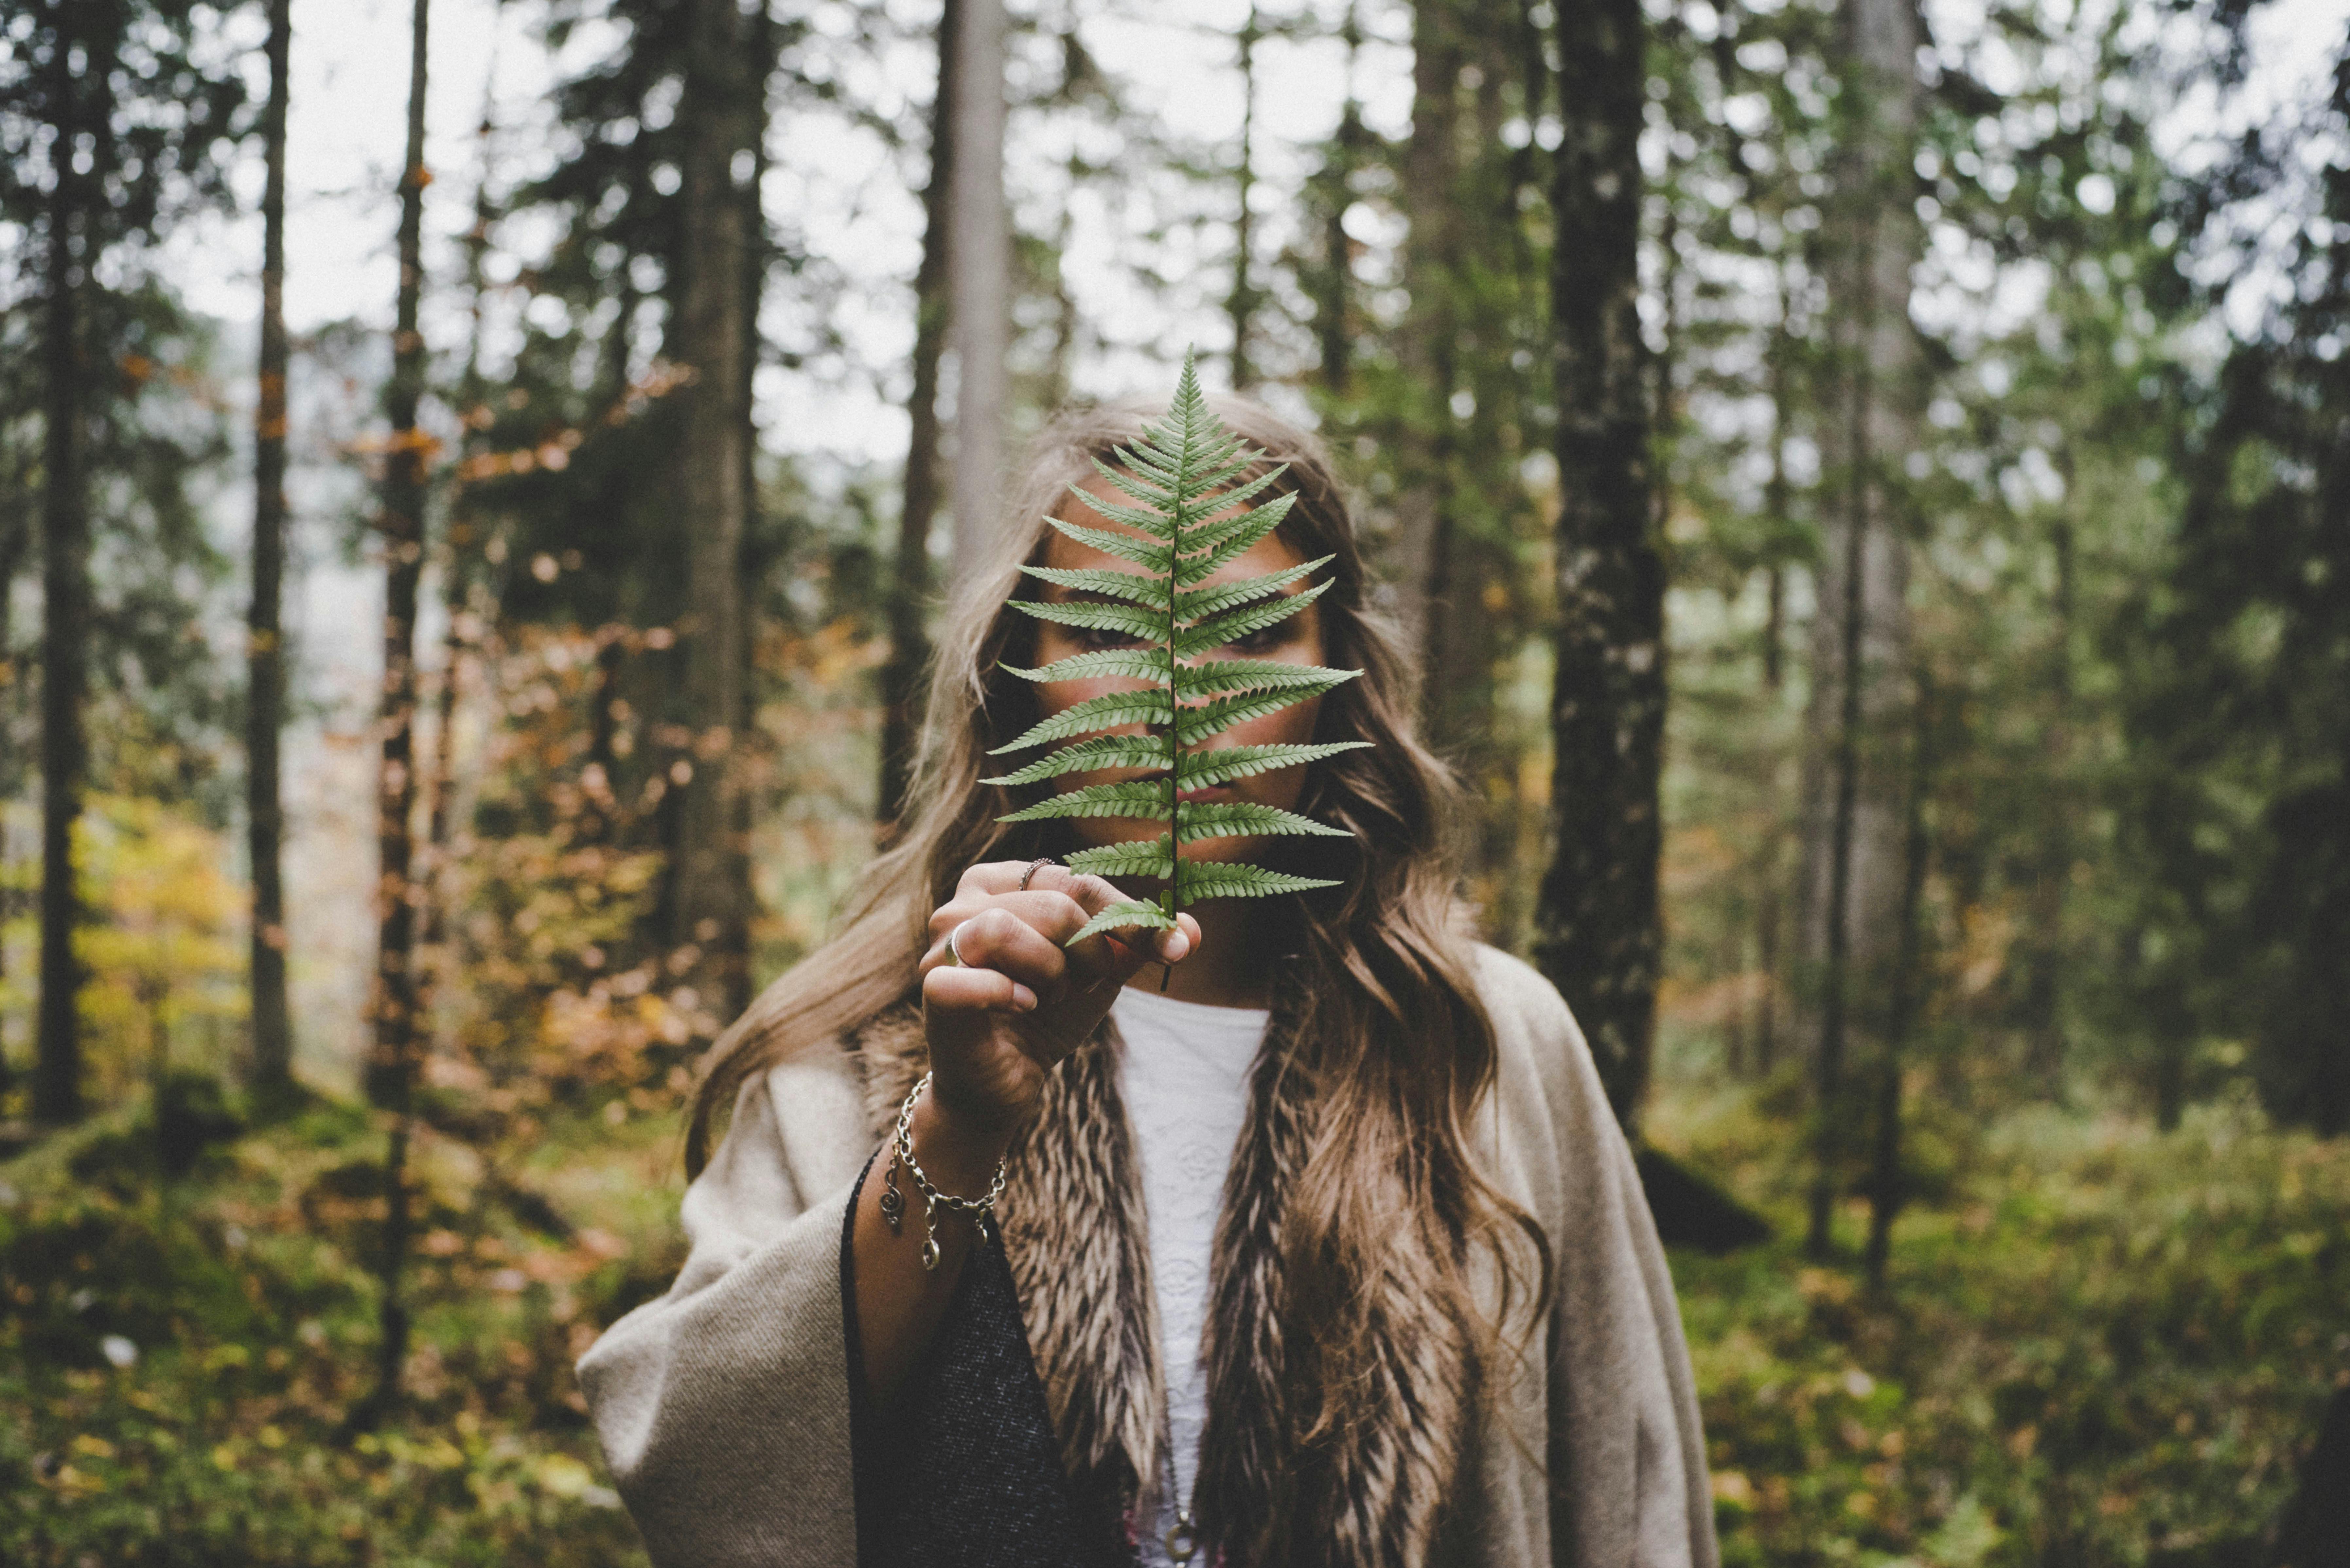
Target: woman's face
1296	640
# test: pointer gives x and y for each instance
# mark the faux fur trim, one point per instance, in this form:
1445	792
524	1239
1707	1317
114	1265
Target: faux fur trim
1368	1495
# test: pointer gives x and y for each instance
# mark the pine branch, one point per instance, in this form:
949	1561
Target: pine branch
1192	512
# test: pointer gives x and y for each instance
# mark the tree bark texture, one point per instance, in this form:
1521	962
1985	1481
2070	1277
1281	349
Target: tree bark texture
1771	872
721	128
66	601
16	539
391	1066
1886	1190
981	278
1596	919
1853	825
272	1065
1331	285
909	585
436	948
2043	986
1428	341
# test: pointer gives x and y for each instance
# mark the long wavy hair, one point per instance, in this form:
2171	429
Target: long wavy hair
1377	1000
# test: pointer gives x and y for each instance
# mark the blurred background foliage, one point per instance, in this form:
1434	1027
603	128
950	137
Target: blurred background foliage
2092	1100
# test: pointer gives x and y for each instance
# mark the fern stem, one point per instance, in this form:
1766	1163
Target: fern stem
1174	904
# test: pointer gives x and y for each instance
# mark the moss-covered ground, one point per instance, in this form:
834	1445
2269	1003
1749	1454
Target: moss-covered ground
2098	1344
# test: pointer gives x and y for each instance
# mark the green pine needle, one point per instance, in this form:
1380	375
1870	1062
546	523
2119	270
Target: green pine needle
1185	494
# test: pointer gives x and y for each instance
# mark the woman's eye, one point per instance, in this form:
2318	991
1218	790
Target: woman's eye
1264	640
1096	636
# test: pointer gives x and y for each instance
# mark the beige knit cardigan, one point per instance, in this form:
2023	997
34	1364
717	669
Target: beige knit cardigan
724	1406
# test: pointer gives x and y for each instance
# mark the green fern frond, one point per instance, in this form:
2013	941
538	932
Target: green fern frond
1195	604
1131	586
1190	507
1229	762
1122	916
1218	630
1130	621
1234	879
1141	858
1126	663
1150	557
1104	712
1101	752
1144	797
1234	818
1232	675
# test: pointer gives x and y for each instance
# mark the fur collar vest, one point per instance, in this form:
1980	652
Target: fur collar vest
1366	1493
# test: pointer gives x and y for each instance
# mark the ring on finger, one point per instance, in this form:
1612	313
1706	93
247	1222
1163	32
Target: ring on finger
1034	866
954	953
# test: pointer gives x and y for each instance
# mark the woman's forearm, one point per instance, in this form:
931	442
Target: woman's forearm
899	1303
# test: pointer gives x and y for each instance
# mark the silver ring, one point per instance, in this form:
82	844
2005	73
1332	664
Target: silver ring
1034	866
954	954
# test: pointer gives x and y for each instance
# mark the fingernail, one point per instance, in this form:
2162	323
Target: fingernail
1178	944
1023	999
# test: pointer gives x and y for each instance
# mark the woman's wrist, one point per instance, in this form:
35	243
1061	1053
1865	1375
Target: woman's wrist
958	1143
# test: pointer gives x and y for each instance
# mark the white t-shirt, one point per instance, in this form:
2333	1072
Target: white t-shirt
1185	1076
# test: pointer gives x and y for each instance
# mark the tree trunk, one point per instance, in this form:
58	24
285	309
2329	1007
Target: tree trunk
1910	988
1596	921
1242	303
909	585
271	1065
979	270
1332	286
718	129
64	626
16	539
1770	861
463	531
391	1066
1853	820
2043	984
1427	344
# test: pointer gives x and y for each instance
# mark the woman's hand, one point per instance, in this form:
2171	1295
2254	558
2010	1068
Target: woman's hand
1021	999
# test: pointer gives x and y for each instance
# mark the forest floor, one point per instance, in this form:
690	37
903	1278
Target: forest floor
2100	1345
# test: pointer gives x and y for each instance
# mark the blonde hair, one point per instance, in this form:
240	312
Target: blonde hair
1382	1010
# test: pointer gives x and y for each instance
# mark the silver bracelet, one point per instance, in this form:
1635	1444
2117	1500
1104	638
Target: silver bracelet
893	1202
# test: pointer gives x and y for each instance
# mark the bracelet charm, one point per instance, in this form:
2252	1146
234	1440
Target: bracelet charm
893	1202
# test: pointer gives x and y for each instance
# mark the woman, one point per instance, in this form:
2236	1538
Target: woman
1318	1243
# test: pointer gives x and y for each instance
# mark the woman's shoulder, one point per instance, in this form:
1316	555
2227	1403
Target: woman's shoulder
1535	1035
810	1112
